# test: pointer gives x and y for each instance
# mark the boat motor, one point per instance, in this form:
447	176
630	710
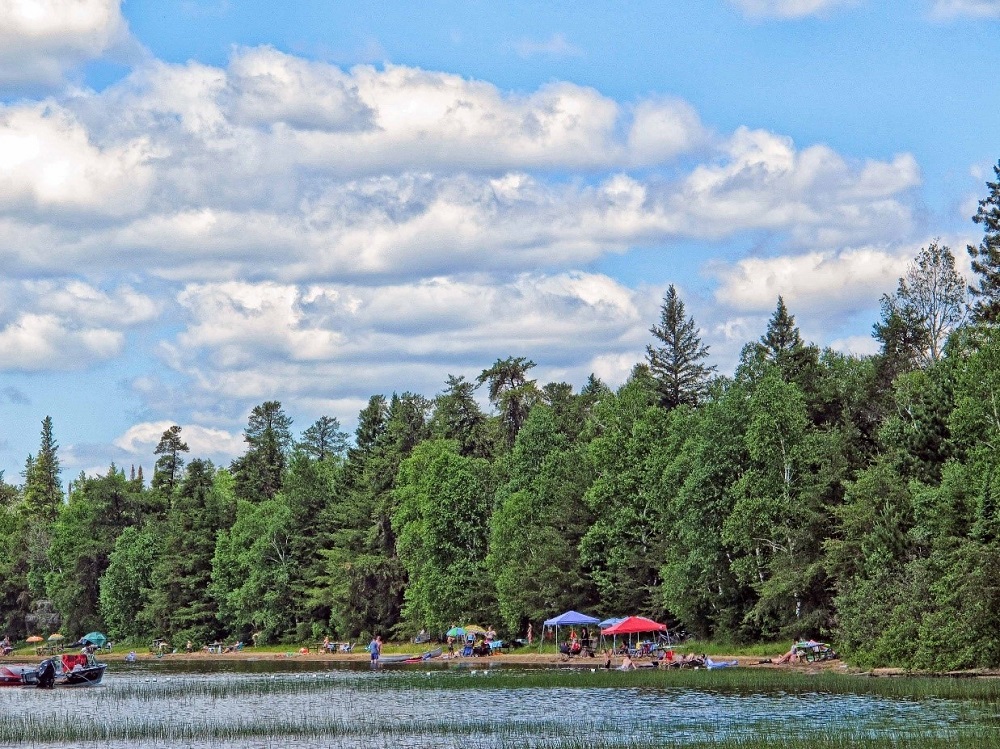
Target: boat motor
46	674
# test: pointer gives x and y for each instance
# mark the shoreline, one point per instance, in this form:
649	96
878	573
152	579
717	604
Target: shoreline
517	658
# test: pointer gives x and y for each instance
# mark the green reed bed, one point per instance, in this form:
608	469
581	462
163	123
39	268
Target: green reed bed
69	730
732	681
153	690
540	734
768	740
735	680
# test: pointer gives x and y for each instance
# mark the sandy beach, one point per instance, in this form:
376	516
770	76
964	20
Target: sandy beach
530	658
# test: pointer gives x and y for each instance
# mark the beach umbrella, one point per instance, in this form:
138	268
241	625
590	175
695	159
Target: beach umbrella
56	636
95	638
474	629
34	638
455	632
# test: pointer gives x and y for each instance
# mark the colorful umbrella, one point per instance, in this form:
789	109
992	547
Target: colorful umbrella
56	636
96	638
455	632
34	638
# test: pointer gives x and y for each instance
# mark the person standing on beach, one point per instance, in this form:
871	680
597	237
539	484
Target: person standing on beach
529	633
375	649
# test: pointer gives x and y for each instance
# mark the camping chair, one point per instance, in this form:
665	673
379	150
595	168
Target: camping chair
468	650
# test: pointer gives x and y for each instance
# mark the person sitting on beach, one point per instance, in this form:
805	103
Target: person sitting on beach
130	658
326	644
627	664
688	661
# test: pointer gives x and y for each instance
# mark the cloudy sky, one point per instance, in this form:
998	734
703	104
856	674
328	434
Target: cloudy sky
206	204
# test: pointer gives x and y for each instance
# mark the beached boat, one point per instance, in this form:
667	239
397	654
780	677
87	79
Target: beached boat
426	656
66	671
13	676
401	658
409	658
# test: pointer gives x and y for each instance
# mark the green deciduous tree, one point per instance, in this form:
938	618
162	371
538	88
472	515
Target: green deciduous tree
252	571
931	298
83	537
699	586
539	521
622	549
442	531
126	584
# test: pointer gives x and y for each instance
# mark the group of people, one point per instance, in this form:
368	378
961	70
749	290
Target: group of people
665	659
470	645
578	644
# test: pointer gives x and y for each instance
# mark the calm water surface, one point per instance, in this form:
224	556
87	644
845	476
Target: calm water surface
366	704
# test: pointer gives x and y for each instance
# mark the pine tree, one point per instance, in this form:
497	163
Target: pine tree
43	493
324	440
782	345
680	376
986	257
511	392
259	472
458	417
180	601
167	471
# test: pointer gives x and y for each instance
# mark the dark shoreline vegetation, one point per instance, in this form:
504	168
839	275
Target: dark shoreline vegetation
810	494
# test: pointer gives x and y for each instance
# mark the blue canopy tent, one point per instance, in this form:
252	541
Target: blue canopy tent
610	623
568	619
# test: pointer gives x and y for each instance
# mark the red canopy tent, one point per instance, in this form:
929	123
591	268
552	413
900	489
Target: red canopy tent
634	625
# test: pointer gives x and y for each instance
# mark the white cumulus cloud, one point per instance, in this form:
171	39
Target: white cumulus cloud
65	325
49	164
141	440
40	40
336	340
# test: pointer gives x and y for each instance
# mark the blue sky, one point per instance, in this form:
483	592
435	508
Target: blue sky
205	205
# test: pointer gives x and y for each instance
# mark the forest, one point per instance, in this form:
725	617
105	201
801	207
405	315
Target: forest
810	494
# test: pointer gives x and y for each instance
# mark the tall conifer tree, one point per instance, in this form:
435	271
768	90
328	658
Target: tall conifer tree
676	365
167	472
986	257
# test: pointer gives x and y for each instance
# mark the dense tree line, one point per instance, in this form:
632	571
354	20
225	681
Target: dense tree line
811	493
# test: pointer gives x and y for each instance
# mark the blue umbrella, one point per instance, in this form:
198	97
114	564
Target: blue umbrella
95	638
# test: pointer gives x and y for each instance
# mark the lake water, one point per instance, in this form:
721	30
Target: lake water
278	704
